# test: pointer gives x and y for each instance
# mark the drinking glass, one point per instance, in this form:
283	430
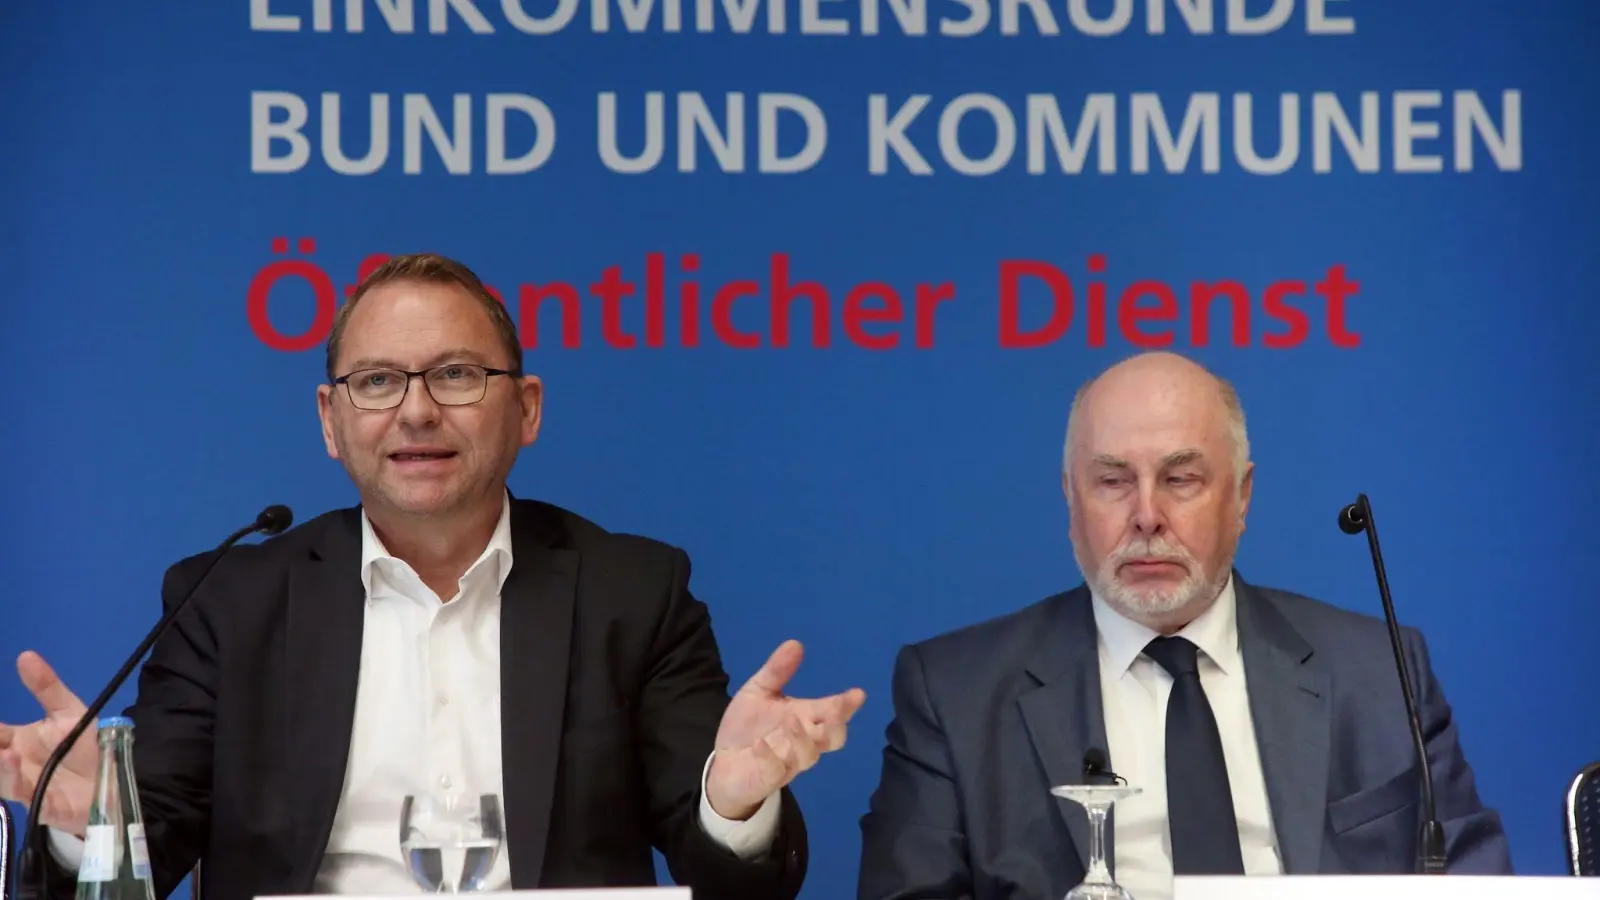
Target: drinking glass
451	841
1096	800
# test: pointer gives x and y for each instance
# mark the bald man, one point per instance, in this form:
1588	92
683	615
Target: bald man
1266	731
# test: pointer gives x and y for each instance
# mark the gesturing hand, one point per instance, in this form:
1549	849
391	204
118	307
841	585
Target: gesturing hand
766	739
24	749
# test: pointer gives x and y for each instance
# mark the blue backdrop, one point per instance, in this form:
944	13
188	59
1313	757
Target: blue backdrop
185	203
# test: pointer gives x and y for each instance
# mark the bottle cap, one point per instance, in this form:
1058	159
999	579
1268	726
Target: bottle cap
116	722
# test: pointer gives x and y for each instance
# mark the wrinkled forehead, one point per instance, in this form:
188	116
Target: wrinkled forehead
1147	427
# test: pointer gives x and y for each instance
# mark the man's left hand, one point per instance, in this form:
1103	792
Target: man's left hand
766	739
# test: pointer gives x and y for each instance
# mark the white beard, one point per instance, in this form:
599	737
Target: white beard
1153	602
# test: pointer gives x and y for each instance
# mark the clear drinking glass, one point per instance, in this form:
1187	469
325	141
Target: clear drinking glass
1096	800
451	841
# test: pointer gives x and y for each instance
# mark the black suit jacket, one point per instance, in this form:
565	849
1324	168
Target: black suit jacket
612	688
990	717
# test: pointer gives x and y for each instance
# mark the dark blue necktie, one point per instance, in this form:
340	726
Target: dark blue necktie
1205	833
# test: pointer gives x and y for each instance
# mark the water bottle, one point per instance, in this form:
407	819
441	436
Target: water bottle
116	862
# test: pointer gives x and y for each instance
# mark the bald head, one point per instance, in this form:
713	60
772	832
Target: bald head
1158	479
1159	384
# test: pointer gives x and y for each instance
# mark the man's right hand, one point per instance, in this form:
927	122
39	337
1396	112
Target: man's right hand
24	749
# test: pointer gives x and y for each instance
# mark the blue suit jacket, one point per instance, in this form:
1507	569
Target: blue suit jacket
988	718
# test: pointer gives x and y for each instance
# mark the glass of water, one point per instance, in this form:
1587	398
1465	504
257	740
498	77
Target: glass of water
1096	799
451	841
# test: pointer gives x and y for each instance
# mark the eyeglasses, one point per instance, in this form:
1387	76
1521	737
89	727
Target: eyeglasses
455	384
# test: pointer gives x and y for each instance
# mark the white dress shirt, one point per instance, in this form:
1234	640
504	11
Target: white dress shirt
427	720
1134	691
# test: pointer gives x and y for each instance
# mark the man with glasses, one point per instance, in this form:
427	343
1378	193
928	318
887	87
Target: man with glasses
444	640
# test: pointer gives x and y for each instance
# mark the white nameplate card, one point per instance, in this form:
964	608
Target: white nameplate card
551	894
1383	887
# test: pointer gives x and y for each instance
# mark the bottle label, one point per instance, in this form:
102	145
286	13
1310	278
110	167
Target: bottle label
99	854
139	852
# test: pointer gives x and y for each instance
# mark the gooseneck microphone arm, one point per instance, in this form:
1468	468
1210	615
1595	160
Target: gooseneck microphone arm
1431	859
33	872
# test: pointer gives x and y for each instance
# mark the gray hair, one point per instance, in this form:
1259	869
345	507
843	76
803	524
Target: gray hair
1238	435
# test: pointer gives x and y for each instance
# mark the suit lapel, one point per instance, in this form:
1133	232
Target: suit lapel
324	632
1289	703
536	618
1063	714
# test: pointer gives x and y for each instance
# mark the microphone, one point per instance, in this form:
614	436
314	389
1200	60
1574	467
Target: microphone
1095	766
1354	519
273	520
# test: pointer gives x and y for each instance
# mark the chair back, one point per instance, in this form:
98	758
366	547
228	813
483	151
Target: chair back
1583	822
7	835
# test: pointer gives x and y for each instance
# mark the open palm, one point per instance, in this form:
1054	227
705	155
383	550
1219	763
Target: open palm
24	749
766	738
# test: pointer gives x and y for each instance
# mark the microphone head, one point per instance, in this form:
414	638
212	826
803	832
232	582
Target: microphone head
274	519
1351	521
1094	760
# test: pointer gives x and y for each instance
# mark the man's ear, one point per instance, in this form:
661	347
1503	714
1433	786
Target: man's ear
325	401
531	396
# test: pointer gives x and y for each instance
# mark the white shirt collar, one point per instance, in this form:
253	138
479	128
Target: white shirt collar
494	560
1214	631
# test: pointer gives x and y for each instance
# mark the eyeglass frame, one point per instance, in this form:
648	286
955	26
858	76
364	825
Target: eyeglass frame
488	372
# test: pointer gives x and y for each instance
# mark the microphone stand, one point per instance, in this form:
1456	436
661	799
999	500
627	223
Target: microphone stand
1431	858
33	870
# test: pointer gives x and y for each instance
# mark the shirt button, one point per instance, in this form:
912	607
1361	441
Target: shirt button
444	782
443	700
